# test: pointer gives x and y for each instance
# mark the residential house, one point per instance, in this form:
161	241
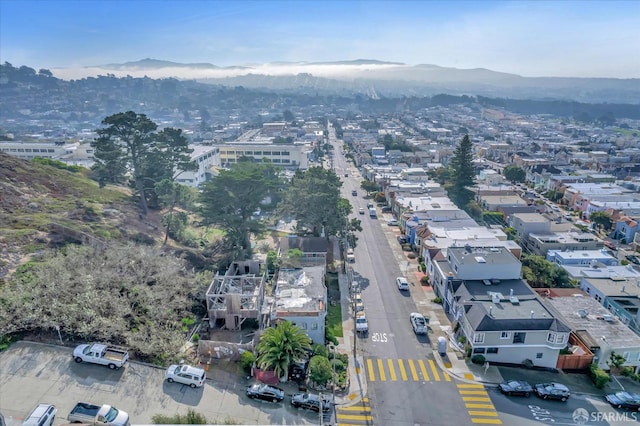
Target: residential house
582	257
527	223
540	244
314	249
601	331
300	296
506	322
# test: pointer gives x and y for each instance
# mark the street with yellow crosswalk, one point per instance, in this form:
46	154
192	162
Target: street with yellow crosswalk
381	370
478	404
355	415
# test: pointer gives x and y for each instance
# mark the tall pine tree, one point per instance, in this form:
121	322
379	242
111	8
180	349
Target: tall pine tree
463	174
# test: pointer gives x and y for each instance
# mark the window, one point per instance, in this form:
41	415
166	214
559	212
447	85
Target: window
478	350
314	326
518	337
492	350
539	355
285	153
551	337
286	161
478	338
505	335
561	338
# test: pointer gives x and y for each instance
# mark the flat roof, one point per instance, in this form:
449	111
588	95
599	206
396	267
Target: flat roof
616	286
616	333
300	290
468	254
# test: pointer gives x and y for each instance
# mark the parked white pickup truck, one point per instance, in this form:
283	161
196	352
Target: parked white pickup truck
351	257
96	353
104	415
362	325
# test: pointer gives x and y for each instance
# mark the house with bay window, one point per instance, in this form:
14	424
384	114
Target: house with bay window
506	322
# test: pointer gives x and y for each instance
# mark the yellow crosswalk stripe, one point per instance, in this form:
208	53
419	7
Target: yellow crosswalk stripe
423	370
487	421
434	370
372	374
403	372
488	406
383	376
392	370
483	413
476	399
469	385
348	424
447	378
472	392
354	417
414	373
355	408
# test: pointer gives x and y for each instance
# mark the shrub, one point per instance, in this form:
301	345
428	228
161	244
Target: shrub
599	377
424	280
320	370
191	418
437	300
195	338
246	360
318	349
462	339
423	266
478	359
420	259
626	371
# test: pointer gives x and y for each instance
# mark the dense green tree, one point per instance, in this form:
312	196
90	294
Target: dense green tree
539	272
320	370
124	145
369	186
463	174
280	346
602	219
288	116
230	199
313	200
172	195
514	173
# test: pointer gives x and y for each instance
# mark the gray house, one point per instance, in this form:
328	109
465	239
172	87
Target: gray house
506	322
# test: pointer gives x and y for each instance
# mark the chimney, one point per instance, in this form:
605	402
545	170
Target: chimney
511	292
491	311
531	314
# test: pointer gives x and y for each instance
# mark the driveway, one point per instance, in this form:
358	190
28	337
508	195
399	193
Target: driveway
32	373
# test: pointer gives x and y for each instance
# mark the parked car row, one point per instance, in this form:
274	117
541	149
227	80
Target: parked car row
270	393
550	390
83	412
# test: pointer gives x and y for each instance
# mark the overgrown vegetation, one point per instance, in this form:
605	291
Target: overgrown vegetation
192	417
598	375
124	294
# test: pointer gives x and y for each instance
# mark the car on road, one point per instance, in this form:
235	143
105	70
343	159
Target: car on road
626	400
361	210
403	240
265	392
633	259
552	390
393	222
402	283
354	193
346	175
358	304
515	387
310	401
186	374
386	209
418	322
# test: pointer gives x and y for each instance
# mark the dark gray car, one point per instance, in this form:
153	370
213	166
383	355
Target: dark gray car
515	387
310	401
552	390
265	392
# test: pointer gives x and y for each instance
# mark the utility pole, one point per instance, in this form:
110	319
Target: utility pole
320	408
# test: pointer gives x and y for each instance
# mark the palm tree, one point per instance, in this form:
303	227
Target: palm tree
281	346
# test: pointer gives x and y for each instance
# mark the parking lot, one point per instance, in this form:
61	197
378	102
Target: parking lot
32	373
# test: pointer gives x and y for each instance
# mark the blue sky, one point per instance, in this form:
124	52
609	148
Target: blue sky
538	38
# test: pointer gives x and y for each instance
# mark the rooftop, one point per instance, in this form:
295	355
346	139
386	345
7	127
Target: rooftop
615	286
301	290
467	255
584	313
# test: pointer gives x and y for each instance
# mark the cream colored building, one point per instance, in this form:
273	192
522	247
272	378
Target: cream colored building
291	156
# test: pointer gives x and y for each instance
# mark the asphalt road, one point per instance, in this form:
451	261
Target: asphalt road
405	386
32	373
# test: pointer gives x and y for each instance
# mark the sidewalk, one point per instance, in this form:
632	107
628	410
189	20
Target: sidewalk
439	325
357	380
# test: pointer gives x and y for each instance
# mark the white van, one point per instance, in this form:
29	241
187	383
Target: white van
42	415
186	374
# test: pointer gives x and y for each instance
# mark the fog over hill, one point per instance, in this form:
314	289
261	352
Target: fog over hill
375	78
